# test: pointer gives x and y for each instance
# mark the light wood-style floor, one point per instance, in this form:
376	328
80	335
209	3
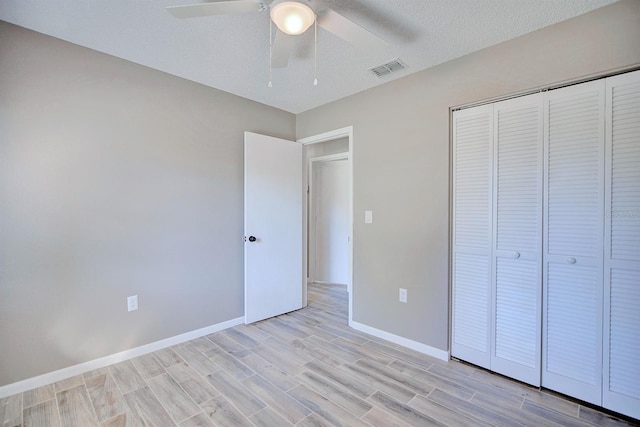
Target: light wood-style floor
305	368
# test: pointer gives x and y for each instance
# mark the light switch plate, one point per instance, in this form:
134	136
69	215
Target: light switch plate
402	295
368	217
132	303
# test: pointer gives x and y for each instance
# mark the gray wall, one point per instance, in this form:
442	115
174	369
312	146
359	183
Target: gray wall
115	180
401	158
118	180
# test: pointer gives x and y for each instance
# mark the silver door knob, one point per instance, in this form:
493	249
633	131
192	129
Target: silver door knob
515	255
571	260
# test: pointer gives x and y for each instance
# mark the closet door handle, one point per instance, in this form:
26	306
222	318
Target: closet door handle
515	255
571	260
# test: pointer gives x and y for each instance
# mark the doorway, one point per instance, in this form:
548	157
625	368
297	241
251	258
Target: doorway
328	218
329	163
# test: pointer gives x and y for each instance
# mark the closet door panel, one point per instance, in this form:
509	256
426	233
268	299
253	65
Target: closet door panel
573	241
573	333
622	246
470	302
516	261
622	375
472	234
516	331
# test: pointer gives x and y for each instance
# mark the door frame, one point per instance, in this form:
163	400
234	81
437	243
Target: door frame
346	132
312	233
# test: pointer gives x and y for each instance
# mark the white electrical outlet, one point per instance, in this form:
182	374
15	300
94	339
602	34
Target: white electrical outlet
402	295
132	303
368	217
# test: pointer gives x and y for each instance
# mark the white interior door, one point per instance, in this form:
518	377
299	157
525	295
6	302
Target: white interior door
517	263
622	246
273	226
472	234
573	241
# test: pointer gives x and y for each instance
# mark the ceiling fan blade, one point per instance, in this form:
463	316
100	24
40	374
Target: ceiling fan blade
216	7
350	31
281	50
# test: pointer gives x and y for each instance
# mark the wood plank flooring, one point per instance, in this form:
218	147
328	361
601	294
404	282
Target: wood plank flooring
305	368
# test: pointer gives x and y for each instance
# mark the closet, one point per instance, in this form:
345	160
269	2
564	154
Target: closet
546	240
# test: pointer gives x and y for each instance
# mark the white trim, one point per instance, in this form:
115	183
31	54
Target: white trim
61	374
320	282
330	157
405	342
328	136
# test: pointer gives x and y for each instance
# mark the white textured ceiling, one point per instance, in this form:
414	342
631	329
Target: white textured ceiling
231	53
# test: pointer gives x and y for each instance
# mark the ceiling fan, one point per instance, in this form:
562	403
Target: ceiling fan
291	18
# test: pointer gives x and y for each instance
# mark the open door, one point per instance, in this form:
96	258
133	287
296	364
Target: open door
273	227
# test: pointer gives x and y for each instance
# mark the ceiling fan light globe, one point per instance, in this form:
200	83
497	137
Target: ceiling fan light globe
293	24
292	18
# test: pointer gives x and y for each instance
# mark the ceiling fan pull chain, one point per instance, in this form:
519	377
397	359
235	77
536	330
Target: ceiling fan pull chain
315	53
270	50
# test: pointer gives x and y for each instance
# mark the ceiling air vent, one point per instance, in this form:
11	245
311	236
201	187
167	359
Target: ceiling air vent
388	68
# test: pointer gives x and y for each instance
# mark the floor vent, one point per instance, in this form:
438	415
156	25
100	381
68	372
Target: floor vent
388	68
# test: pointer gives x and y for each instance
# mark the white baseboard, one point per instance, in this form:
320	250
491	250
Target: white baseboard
320	282
396	339
71	371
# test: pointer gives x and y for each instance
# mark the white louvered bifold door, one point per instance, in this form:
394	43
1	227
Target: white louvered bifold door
573	241
472	234
621	390
517	252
